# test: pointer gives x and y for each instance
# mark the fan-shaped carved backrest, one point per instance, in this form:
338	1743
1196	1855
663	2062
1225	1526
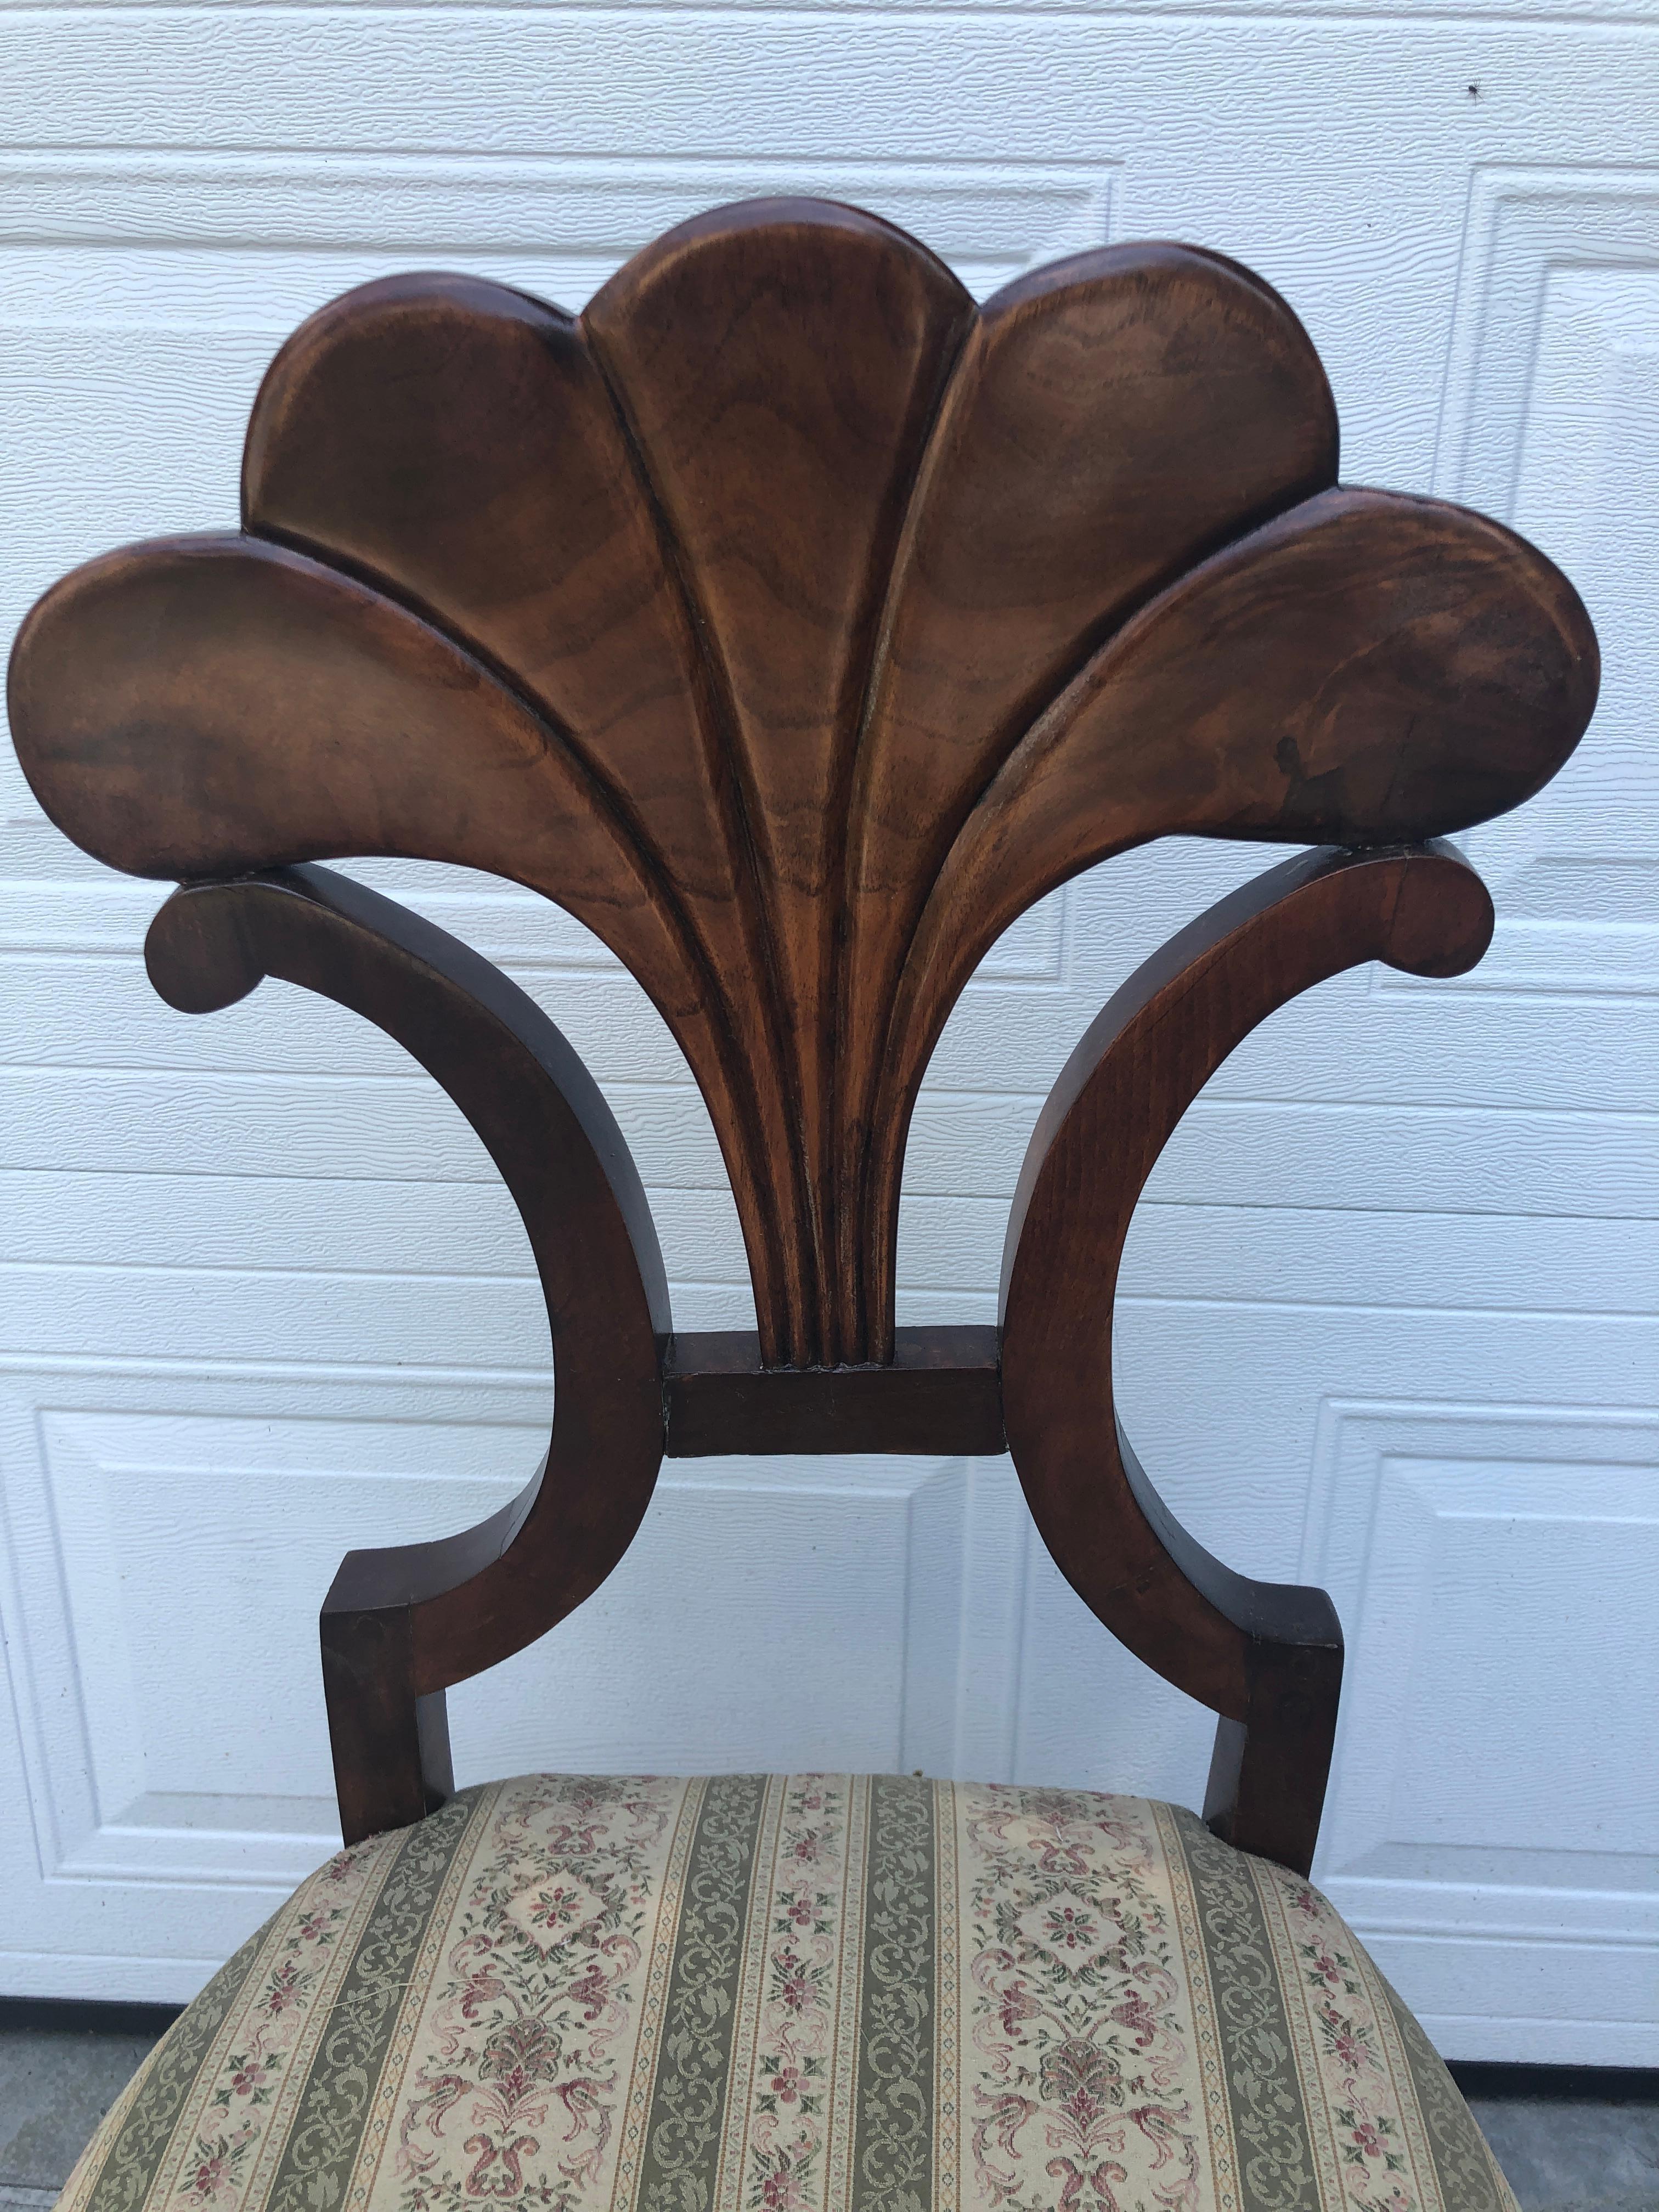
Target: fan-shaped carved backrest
795	625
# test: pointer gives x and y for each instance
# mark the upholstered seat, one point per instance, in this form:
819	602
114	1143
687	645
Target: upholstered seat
876	1994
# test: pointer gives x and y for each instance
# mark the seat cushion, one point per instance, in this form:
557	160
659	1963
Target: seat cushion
754	1994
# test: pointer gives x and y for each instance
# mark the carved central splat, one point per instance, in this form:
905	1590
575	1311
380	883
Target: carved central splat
795	625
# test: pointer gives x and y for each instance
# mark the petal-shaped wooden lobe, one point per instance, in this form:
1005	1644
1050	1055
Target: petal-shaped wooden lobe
779	363
454	440
203	706
200	707
1368	669
1112	420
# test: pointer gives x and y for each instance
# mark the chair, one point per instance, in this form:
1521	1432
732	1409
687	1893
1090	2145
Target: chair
795	624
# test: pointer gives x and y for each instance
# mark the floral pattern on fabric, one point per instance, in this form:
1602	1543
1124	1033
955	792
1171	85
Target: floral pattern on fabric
1078	2014
211	2117
809	1993
1363	2095
1370	2135
797	2009
280	2024
527	2030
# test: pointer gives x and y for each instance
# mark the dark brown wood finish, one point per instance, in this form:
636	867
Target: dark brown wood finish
1266	1657
1366	669
400	1625
1114	418
795	624
454	444
941	1392
779	365
295	714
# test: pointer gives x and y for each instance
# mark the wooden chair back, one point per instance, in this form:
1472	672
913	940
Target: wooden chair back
795	624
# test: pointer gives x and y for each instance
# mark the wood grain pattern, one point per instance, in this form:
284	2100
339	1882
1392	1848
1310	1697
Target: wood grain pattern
454	443
796	626
296	713
940	1393
400	1624
1114	418
779	364
1264	1656
1367	667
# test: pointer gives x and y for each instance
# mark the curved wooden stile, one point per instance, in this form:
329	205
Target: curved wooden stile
1266	1657
400	1624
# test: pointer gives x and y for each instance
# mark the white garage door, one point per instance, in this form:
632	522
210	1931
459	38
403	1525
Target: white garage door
1391	1322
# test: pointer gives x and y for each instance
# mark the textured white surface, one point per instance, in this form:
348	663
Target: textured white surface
1389	1317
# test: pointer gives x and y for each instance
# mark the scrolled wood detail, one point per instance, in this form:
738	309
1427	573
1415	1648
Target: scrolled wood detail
293	712
1266	1657
399	1625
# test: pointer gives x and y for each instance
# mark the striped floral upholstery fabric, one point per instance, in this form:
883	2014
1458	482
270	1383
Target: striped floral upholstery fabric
766	1995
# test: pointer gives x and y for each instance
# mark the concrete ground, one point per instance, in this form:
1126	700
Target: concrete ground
1570	2140
62	2066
